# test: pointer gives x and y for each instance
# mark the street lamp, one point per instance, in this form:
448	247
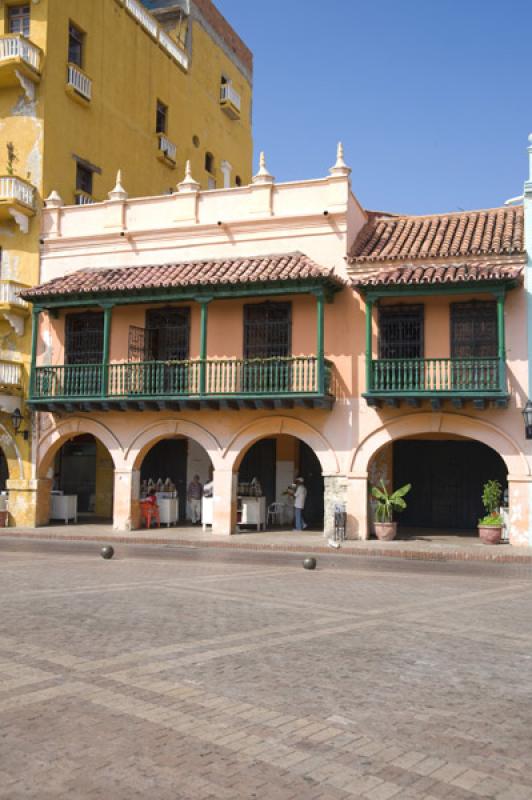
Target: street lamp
527	416
16	420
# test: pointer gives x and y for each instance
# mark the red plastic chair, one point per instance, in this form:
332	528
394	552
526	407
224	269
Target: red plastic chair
150	512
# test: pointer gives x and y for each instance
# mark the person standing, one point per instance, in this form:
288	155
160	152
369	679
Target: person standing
194	492
300	497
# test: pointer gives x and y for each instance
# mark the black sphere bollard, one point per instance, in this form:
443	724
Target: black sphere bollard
309	563
107	551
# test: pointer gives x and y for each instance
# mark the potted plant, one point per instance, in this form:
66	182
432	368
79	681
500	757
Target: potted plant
387	503
490	526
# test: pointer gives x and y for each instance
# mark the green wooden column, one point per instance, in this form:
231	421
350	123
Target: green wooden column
204	304
35	315
107	317
320	340
369	341
501	338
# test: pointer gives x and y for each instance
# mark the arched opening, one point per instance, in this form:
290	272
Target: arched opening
83	481
168	467
266	473
447	473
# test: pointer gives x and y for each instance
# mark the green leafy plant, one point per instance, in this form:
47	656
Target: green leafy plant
388	502
11	157
491	500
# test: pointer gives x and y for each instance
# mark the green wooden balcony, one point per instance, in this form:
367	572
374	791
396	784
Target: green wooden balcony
479	380
221	383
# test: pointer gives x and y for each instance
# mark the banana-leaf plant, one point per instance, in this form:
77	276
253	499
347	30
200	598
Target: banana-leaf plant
388	502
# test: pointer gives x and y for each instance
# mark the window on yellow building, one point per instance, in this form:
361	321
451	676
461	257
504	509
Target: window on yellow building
76	45
209	163
83	184
161	117
18	20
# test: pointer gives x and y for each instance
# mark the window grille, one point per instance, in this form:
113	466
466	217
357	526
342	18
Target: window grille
267	330
474	330
84	338
401	331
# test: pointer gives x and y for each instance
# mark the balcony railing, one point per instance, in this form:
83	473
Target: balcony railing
9	293
18	191
433	377
15	46
167	148
10	374
230	100
213	380
78	81
151	26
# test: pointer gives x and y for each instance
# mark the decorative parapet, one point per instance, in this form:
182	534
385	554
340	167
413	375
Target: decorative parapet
317	204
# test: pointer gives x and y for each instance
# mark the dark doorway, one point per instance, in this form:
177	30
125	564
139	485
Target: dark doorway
447	479
168	459
4	471
310	471
260	462
76	471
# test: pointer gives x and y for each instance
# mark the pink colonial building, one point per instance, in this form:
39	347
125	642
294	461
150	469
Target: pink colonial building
275	330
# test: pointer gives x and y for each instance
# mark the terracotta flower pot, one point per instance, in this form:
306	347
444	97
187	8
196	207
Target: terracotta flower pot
385	531
490	534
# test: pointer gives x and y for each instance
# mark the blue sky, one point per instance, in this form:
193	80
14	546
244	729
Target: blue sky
432	98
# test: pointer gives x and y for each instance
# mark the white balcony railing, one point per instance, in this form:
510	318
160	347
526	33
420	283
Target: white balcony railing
79	81
168	148
84	199
10	374
229	95
146	21
14	46
9	293
17	190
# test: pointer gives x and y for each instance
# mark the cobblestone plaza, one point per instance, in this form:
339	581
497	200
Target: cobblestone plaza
186	674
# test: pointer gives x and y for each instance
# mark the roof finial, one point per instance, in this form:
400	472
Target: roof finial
340	168
263	176
118	193
54	200
188	184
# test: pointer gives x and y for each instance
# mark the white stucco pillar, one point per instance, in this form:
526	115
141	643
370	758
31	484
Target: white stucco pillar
126	509
224	502
357	507
519	509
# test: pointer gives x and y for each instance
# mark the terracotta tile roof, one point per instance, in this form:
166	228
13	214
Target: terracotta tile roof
438	273
220	272
494	232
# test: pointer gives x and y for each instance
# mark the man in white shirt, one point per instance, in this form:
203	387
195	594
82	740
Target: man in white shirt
300	497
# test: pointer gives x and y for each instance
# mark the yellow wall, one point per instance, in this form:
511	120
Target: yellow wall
115	130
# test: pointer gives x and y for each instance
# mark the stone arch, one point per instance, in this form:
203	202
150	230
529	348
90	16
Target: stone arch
53	440
457	424
12	454
274	425
168	429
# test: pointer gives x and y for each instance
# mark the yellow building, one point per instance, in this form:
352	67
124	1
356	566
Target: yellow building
88	87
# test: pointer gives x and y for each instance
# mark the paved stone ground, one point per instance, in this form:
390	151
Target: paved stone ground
193	674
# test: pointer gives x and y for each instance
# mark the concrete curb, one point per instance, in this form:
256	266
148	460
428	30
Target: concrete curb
389	551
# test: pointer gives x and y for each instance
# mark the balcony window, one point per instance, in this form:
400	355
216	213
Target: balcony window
84	181
84	338
401	331
161	118
76	45
474	330
209	163
267	330
18	20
